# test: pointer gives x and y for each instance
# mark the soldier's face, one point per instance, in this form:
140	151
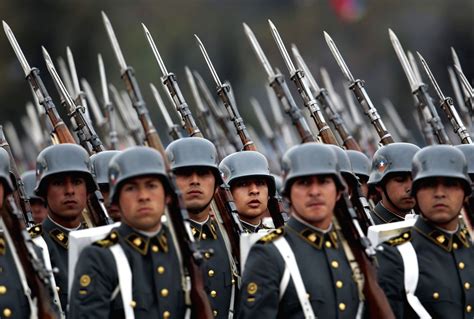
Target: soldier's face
440	201
197	186
66	196
38	210
142	202
112	209
313	199
250	197
398	189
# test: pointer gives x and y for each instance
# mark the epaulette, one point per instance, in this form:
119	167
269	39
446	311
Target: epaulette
35	231
400	239
271	236
110	240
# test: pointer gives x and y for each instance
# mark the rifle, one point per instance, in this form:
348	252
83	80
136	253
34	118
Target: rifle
325	100
33	76
173	129
364	254
447	106
19	193
466	86
397	121
281	90
108	106
225	93
357	87
298	77
459	98
420	90
37	276
99	119
192	256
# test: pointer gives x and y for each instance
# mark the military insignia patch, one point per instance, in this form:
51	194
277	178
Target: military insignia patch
400	239
252	288
85	280
108	241
60	237
35	231
272	236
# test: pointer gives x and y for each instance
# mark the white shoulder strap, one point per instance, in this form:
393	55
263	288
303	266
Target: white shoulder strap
411	274
125	279
290	261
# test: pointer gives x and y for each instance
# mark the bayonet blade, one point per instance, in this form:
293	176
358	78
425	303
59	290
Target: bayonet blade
161	105
431	77
302	64
337	55
464	81
457	91
414	84
414	67
455	58
94	106
72	68
16	48
158	58
103	80
261	118
212	104
114	42
281	47
332	92
208	61
64	73
258	51
194	90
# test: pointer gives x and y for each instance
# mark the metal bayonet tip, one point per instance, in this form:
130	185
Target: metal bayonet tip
6	27
208	61
281	47
46	55
339	59
156	53
302	65
430	76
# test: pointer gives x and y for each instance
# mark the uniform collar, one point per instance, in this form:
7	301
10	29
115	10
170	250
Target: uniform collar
312	235
385	215
142	243
250	228
206	230
442	238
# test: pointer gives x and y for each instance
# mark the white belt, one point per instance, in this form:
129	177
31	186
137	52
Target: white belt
125	279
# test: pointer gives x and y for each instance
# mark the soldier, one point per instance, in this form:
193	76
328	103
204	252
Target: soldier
308	249
38	208
426	271
391	177
13	301
194	162
345	168
360	164
248	175
142	246
63	180
100	166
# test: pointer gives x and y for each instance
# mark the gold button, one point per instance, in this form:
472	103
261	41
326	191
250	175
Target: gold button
113	236
441	239
7	313
327	244
154	248
3	290
133	303
214	312
435	295
342	306
467	285
213	294
339	284
207	255
210	273
137	242
160	270
334	264
455	246
461	265
203	236
406	235
164	292
468	308
166	314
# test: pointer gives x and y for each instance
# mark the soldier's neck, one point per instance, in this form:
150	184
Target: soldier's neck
69	226
392	209
202	216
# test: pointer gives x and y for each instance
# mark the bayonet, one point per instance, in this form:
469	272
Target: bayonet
465	82
64	72
173	129
94	105
108	105
447	106
259	52
298	78
80	97
395	117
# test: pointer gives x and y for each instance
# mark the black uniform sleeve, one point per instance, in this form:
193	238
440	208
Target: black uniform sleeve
95	280
261	282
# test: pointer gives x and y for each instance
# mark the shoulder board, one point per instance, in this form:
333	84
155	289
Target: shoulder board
271	236
110	240
400	239
35	231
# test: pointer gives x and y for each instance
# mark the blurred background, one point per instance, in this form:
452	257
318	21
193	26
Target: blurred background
359	28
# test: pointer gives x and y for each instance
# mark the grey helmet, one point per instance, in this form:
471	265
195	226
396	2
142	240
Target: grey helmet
29	182
5	177
390	159
278	184
62	158
100	166
246	164
468	151
309	159
440	161
190	152
360	164
135	162
344	164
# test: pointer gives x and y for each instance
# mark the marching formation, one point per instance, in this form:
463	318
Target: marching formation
216	226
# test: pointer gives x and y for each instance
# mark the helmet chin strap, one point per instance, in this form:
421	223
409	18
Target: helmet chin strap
391	202
196	211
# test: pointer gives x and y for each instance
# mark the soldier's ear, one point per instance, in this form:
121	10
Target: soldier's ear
338	196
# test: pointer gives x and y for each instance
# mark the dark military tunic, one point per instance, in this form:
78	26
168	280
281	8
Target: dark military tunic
13	302
381	215
446	274
156	279
324	269
217	273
